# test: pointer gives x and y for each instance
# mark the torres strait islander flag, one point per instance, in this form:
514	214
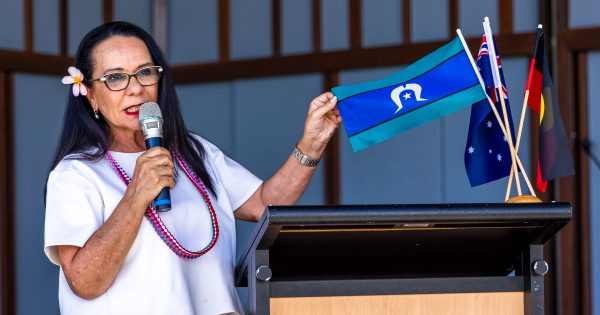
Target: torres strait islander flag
436	85
554	155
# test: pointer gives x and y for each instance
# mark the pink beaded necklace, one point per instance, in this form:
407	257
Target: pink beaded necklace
157	223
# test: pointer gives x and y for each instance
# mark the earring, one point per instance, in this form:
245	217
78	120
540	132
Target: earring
96	114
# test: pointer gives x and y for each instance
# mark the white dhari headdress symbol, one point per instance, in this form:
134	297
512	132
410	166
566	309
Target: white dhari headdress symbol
395	95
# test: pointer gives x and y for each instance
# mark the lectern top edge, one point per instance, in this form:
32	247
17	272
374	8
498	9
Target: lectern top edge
434	213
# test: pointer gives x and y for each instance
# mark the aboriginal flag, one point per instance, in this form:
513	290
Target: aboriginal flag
554	154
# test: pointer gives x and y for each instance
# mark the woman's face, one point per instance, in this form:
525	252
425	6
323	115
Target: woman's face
120	108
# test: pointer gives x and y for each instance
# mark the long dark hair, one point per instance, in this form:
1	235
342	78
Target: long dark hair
89	138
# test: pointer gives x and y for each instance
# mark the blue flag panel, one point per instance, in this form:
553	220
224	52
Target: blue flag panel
436	85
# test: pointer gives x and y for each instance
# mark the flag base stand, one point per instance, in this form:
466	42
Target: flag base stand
524	199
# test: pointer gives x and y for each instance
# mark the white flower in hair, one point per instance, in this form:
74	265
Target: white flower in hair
75	78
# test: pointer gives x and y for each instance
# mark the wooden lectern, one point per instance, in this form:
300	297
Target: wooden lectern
400	259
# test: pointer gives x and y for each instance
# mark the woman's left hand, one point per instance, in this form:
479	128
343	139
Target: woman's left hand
321	123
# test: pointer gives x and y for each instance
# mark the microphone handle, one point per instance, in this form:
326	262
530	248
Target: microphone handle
162	202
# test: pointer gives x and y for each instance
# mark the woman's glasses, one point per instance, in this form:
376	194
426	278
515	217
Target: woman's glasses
120	80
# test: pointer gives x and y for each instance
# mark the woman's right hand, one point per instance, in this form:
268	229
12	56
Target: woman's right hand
154	170
91	269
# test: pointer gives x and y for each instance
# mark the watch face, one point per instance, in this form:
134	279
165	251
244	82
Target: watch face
303	158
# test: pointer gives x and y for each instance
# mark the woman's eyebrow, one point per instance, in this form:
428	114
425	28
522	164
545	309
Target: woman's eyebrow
122	69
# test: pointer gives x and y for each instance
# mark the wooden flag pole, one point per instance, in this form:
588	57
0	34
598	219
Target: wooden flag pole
519	133
499	120
498	85
513	152
524	107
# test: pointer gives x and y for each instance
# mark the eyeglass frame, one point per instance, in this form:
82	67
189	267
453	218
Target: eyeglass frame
129	75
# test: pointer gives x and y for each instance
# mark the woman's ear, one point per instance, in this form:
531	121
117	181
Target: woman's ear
90	97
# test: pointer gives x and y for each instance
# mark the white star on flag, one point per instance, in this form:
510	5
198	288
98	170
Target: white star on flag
499	157
504	138
489	124
471	150
406	96
490	151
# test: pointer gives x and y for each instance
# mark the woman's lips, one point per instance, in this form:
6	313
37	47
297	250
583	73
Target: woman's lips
133	110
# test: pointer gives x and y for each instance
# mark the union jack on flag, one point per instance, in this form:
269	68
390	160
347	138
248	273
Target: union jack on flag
483	64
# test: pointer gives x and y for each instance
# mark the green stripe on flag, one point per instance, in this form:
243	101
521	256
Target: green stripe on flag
416	118
416	69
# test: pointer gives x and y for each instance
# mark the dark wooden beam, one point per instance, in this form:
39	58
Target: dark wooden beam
276	27
160	27
452	17
550	277
223	30
331	176
316	25
63	18
34	63
552	287
580	39
28	25
7	221
571	290
514	45
583	171
568	252
505	7
355	20
107	10
561	14
406	14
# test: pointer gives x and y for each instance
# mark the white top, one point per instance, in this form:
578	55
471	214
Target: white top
81	196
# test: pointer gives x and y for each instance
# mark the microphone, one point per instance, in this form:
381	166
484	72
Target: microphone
151	122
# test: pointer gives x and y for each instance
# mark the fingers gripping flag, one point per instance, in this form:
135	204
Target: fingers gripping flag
487	153
434	86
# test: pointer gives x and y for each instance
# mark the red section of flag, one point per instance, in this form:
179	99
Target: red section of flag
540	183
534	85
536	70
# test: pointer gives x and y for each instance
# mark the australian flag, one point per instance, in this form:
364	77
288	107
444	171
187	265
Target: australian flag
487	153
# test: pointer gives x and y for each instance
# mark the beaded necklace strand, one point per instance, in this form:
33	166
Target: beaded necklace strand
158	225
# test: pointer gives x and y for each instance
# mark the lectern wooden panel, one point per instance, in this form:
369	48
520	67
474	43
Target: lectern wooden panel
504	303
385	259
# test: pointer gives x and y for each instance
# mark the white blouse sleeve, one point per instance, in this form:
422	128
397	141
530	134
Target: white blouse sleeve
73	210
238	183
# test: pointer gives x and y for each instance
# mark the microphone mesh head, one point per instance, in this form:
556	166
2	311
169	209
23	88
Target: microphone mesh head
149	109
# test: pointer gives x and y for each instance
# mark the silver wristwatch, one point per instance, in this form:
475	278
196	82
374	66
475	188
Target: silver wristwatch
304	159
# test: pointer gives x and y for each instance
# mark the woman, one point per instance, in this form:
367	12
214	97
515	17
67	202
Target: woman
113	260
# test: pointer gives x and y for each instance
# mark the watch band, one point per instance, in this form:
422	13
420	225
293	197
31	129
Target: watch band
304	159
